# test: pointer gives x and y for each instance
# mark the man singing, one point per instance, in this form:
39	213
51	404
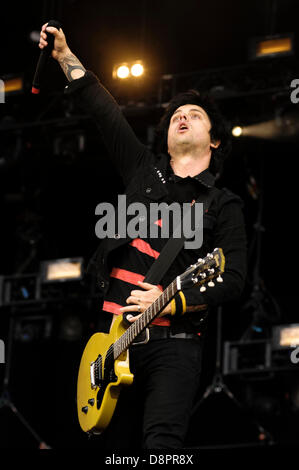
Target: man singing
155	411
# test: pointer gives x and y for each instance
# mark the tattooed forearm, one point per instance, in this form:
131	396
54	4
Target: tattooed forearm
72	67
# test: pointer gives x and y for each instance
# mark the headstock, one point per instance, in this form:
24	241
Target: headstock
205	271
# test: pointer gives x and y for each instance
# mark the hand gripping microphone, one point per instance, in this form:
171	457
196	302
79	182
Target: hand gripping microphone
43	58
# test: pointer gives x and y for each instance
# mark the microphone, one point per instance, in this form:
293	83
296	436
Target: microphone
43	58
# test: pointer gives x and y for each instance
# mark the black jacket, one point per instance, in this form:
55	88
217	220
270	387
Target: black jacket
141	171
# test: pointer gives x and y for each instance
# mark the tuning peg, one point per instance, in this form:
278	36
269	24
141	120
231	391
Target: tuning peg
202	289
211	270
211	284
200	260
195	280
203	275
219	279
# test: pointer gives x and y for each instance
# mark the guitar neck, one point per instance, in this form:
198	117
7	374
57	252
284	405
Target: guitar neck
127	338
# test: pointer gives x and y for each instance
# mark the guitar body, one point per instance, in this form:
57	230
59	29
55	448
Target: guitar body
99	383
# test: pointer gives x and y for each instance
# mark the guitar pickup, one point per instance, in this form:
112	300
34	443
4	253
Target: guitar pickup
96	373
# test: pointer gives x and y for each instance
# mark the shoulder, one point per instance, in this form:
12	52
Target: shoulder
226	196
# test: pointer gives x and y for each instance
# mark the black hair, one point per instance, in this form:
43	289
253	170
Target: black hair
219	126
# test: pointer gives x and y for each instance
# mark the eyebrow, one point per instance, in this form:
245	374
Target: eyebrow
192	109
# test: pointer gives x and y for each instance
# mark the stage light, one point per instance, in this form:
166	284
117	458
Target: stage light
128	70
283	126
121	71
285	336
137	69
271	46
68	269
11	84
237	131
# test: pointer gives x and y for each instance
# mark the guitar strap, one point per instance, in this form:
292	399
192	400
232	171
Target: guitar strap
174	245
172	248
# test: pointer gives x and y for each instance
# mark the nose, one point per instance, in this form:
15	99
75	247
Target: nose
183	116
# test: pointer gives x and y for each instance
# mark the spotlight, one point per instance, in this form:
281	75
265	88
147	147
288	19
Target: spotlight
68	269
128	70
285	336
122	71
271	46
137	69
11	85
237	131
282	127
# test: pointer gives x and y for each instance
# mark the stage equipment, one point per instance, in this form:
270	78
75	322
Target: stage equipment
128	70
11	85
61	270
260	357
5	398
285	125
218	385
271	46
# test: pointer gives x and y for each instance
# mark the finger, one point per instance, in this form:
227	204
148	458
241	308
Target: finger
132	319
146	285
44	26
52	30
130	308
137	293
132	300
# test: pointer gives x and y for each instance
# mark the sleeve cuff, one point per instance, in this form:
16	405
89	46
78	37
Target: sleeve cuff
88	79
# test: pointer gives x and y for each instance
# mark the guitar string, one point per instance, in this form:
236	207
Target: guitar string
111	349
145	313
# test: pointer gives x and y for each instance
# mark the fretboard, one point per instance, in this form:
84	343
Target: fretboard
127	338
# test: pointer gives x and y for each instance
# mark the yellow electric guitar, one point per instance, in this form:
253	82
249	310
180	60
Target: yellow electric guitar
104	367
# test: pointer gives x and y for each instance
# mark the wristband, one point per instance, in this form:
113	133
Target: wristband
180	306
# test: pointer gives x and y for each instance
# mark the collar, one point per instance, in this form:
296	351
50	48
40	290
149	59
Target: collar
205	177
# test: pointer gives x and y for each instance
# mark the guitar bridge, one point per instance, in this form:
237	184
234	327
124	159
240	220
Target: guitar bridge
96	373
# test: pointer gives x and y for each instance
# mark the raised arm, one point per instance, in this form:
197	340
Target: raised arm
69	63
125	149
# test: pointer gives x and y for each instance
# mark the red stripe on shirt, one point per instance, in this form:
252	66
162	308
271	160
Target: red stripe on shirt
128	276
111	307
144	247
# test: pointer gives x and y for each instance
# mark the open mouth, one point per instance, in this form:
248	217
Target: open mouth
183	127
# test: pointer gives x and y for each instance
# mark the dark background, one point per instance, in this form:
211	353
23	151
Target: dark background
50	186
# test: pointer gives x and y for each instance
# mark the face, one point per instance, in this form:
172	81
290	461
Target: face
189	129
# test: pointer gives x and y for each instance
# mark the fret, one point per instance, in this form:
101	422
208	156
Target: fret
139	325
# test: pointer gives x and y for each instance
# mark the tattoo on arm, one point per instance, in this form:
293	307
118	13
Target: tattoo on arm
69	64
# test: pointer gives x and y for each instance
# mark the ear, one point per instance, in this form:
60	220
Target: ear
215	144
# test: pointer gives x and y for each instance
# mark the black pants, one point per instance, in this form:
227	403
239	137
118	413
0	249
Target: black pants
155	411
